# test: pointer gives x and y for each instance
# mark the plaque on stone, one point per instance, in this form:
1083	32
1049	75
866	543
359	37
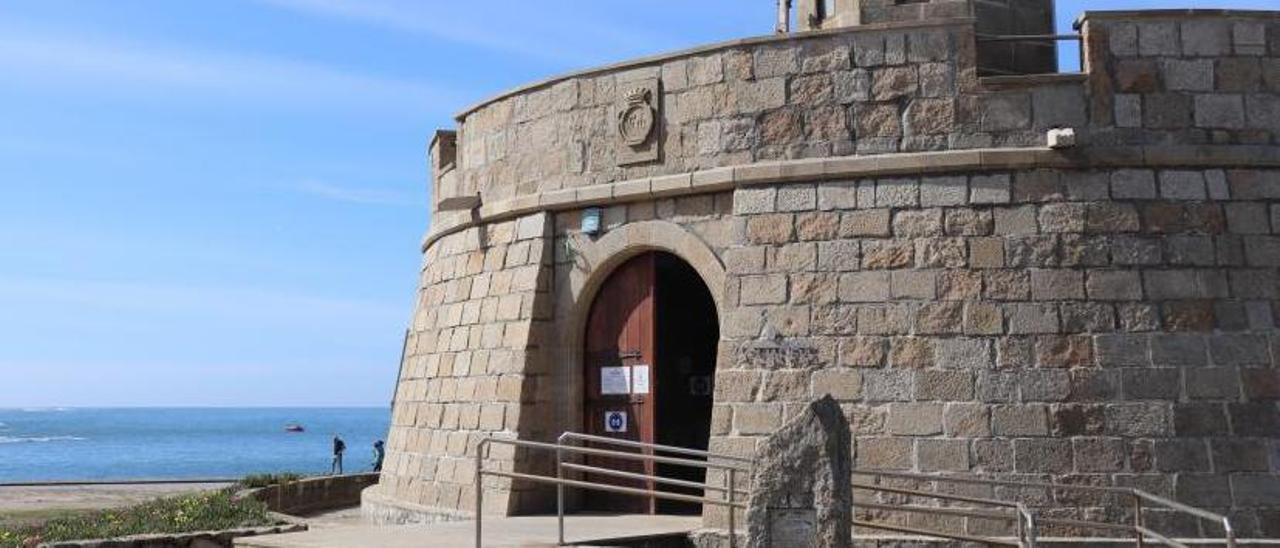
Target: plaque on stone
778	353
793	527
638	121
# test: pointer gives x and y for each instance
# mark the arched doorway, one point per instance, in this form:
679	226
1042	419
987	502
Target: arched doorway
649	359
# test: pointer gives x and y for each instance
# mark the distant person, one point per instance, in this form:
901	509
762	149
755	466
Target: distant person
338	447
378	452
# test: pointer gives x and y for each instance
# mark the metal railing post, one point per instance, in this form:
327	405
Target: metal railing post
1031	529
560	493
479	488
1140	542
1022	528
733	486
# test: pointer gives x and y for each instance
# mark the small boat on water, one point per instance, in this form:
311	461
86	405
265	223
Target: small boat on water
294	427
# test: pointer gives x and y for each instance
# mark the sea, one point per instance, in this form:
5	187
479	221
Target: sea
54	444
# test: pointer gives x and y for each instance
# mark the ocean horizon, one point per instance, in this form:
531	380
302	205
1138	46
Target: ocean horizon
179	443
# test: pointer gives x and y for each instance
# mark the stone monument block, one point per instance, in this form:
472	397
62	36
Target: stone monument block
801	494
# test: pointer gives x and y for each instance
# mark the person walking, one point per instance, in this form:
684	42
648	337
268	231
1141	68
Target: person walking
338	447
378	453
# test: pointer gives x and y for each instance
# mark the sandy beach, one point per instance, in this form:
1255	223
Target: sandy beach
40	499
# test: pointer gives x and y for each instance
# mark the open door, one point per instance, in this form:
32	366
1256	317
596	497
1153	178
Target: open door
649	366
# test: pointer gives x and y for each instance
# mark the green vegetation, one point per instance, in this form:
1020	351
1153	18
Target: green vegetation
13	519
263	480
206	511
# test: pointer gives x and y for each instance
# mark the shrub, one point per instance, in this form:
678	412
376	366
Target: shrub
205	511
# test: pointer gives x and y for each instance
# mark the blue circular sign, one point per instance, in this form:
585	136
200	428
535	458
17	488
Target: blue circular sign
616	421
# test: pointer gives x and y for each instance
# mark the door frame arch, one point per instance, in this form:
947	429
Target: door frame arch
591	264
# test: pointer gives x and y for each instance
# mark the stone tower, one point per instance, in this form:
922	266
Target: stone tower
872	211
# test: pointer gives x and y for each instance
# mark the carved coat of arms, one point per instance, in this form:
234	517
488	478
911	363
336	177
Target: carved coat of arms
638	121
635	120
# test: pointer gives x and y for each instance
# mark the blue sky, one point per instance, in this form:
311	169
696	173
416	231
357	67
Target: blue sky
220	202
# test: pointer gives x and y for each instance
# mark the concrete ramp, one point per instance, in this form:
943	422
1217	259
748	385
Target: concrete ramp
523	531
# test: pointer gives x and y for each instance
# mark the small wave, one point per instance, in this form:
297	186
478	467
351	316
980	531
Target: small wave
38	439
45	409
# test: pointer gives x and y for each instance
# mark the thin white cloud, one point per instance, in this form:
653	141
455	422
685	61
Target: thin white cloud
559	32
106	303
169	72
360	195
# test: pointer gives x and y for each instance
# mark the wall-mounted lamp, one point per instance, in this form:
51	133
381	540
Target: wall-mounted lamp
591	221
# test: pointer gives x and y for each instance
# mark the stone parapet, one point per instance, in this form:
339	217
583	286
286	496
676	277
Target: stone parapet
1183	77
875	89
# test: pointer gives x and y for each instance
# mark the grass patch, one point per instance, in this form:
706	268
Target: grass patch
13	519
263	480
205	511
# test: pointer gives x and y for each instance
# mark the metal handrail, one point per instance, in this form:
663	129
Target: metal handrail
933	533
637	476
980	481
1033	40
567	436
1137	495
730	489
1023	518
561	482
1028	37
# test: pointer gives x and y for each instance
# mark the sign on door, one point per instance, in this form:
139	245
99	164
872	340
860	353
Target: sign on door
615	421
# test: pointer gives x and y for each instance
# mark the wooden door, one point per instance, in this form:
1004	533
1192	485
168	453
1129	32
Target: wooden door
619	359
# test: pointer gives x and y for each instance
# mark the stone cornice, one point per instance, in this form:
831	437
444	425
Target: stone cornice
855	167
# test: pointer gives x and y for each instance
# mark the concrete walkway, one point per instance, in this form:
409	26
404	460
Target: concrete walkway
524	531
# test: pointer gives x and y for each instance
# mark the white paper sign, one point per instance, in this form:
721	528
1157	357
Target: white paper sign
615	421
640	379
615	380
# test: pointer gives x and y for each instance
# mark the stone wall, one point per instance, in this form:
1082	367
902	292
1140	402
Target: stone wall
1099	327
472	368
882	11
1183	78
310	495
909	87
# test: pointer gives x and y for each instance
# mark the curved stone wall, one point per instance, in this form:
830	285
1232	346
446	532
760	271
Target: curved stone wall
1099	327
978	303
887	88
